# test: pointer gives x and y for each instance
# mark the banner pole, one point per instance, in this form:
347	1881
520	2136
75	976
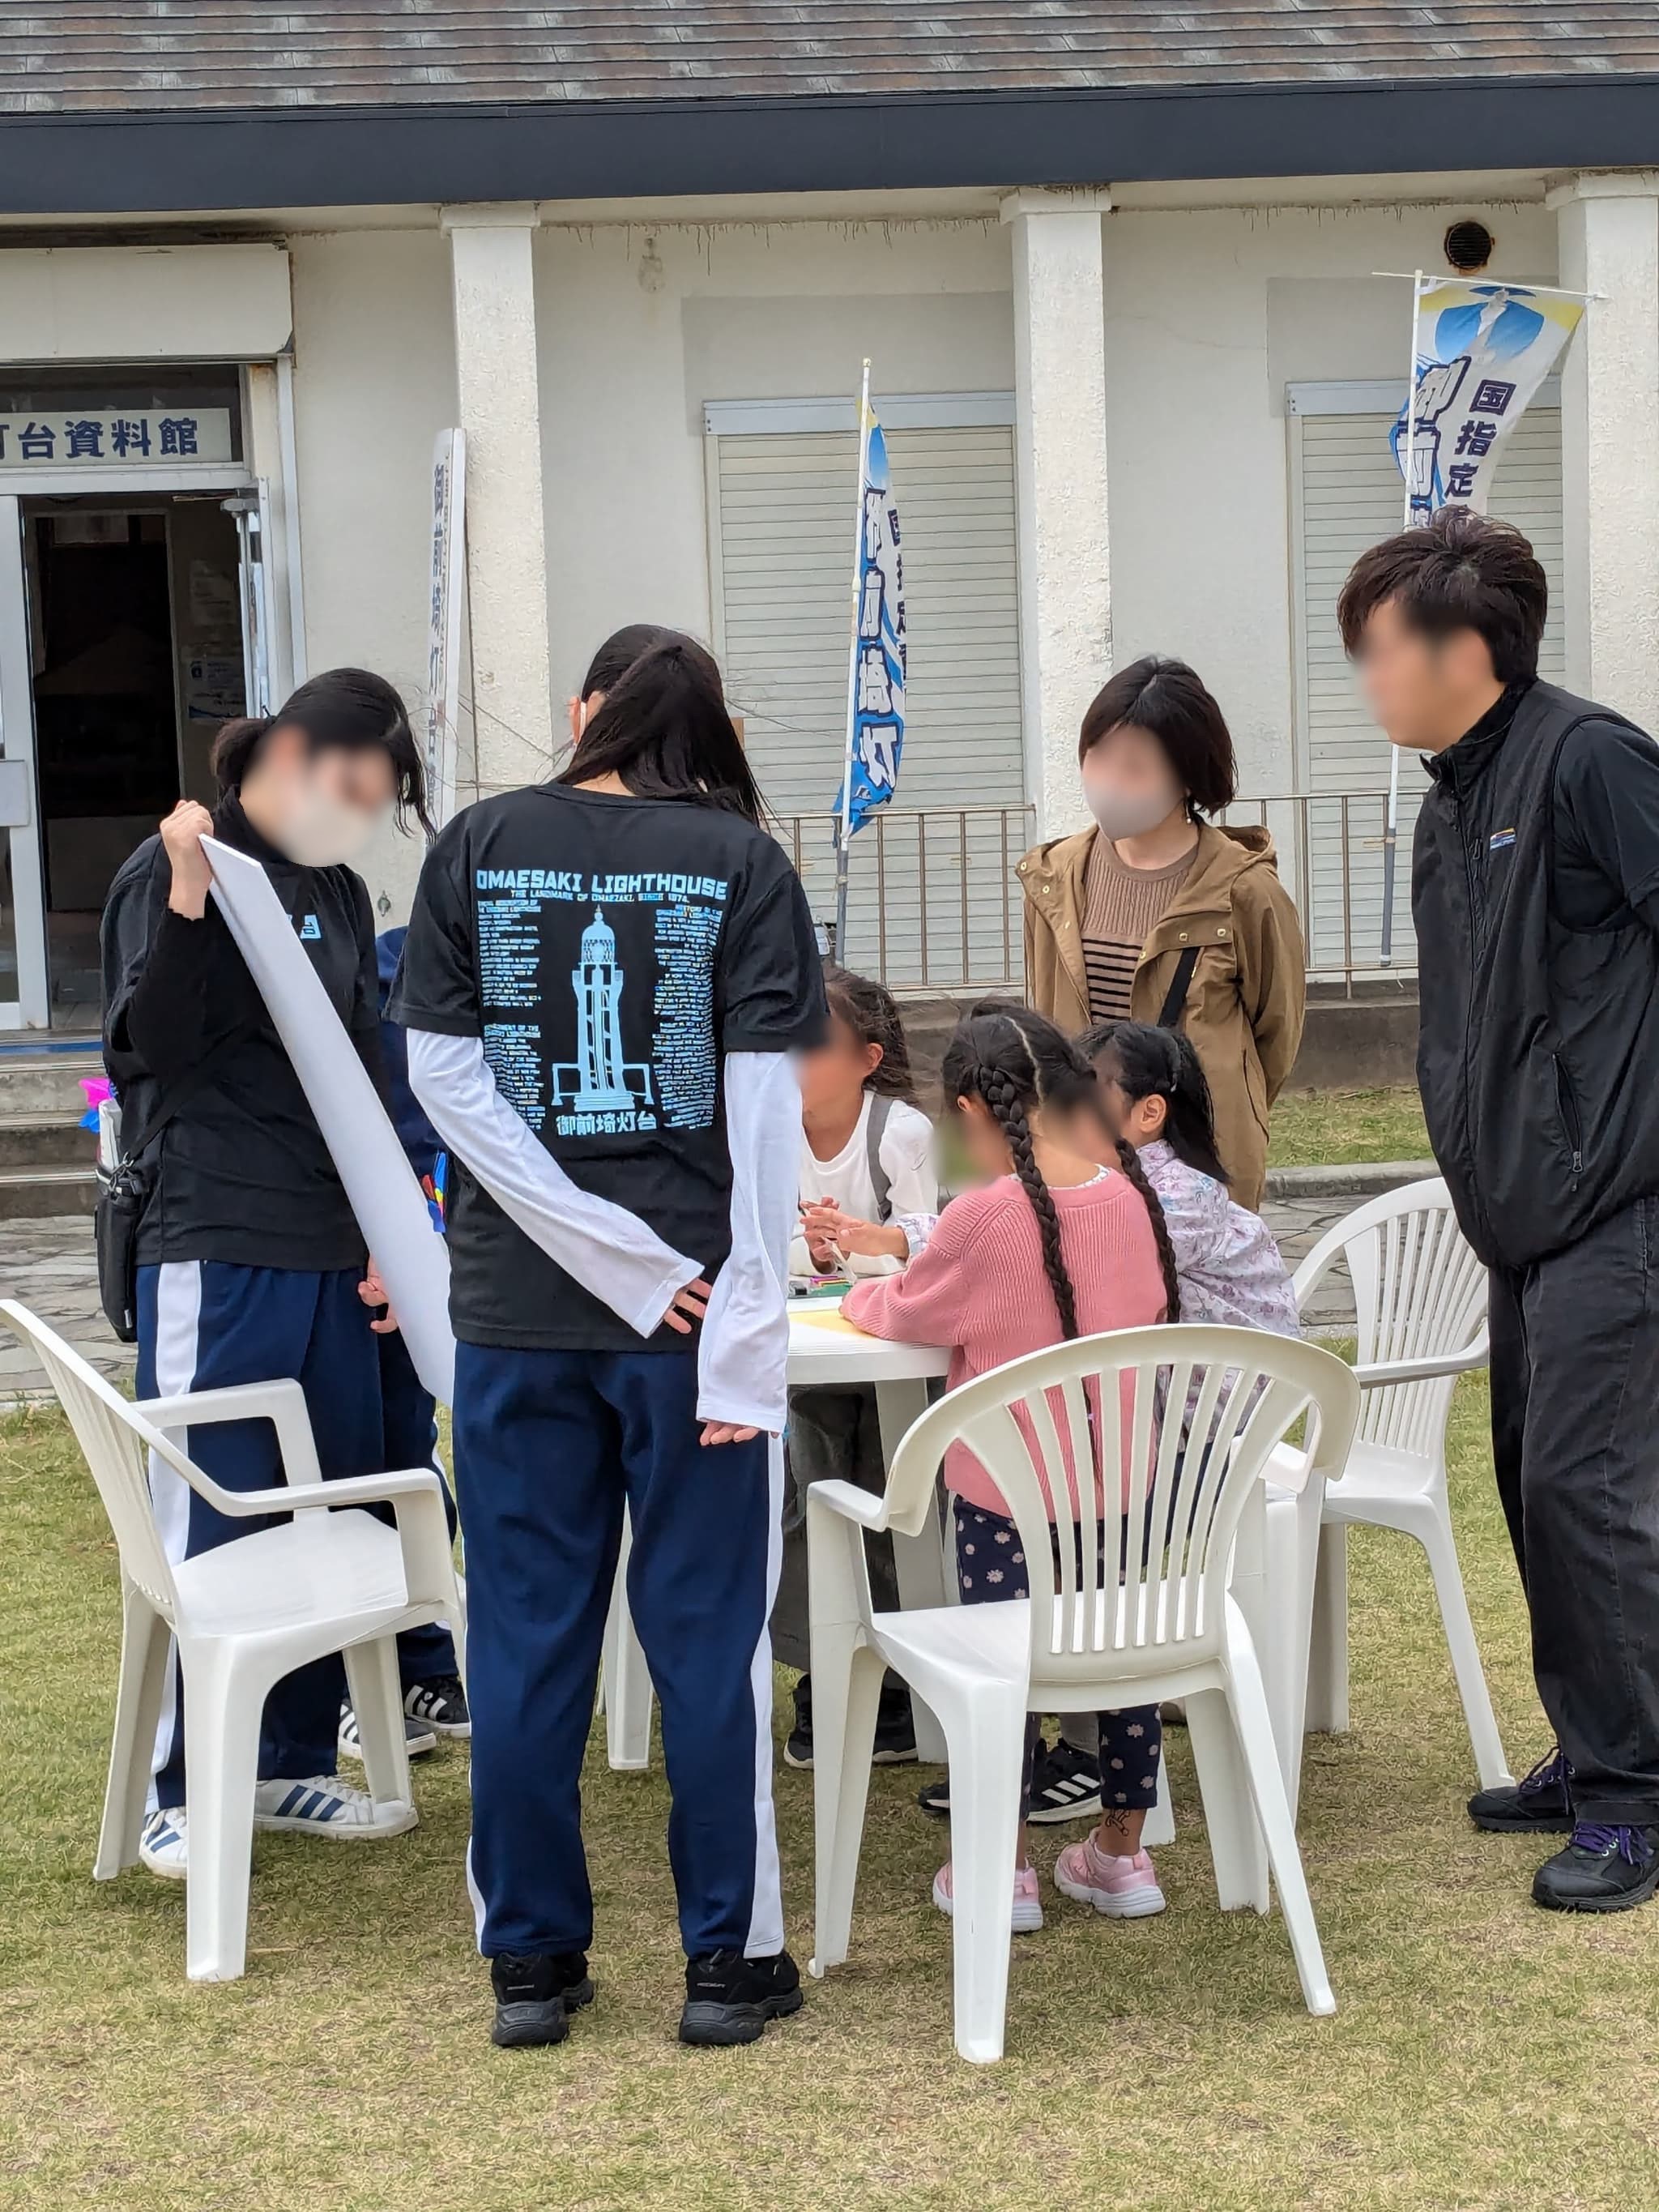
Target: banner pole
1391	823
843	828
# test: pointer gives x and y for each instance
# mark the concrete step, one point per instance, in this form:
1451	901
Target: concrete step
32	1193
47	1083
45	1140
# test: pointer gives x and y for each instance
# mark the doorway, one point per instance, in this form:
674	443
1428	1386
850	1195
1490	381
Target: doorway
136	625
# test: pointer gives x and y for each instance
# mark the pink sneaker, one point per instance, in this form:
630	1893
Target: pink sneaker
1124	1889
1026	1915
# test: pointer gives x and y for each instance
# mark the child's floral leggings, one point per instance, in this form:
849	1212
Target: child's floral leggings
990	1566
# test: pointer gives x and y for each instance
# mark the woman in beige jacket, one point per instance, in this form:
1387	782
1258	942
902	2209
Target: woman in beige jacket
1155	915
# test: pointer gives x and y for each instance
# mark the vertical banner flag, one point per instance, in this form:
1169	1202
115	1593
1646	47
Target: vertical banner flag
446	585
875	702
1480	353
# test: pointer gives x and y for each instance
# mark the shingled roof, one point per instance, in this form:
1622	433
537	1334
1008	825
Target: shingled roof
173	55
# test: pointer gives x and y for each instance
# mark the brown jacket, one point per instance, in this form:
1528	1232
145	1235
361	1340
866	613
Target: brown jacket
1245	1003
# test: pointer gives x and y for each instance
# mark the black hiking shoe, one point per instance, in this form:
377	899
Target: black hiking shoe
1540	1800
729	1998
1602	1869
535	1996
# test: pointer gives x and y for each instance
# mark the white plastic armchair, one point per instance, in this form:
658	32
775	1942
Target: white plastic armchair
327	1578
1420	1304
1128	1569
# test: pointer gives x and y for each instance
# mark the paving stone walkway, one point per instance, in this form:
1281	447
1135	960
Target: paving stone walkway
48	1265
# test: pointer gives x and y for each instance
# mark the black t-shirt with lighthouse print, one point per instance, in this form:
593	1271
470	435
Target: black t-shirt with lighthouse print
610	951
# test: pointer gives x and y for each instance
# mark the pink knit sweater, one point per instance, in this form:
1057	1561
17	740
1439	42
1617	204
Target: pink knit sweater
979	1287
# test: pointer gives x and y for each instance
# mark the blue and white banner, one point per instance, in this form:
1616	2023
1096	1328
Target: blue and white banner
877	673
1482	351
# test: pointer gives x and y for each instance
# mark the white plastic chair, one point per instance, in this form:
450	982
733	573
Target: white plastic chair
1420	1298
1167	1629
244	1615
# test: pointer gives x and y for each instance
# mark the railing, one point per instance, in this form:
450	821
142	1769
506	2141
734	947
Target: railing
935	908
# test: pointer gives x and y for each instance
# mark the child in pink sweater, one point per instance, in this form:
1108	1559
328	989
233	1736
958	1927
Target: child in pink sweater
1055	1247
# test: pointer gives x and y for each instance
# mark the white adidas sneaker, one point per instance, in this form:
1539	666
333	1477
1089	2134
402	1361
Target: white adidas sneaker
323	1805
161	1843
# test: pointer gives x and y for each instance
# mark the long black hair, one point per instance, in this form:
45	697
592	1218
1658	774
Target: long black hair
1017	1062
618	654
663	728
1158	1063
871	1012
348	707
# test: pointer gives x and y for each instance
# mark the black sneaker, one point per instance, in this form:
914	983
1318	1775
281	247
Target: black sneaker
798	1746
729	1998
1064	1786
535	1996
1540	1800
1602	1869
441	1703
896	1728
419	1737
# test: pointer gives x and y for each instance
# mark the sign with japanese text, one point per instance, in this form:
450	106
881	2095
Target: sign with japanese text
878	670
1482	352
446	583
126	438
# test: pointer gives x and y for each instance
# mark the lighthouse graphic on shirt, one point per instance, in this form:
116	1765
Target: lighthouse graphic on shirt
599	1080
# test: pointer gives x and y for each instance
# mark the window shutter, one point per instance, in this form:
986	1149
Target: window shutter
784	547
1351	496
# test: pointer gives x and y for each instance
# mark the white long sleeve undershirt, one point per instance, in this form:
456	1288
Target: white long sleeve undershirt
743	1348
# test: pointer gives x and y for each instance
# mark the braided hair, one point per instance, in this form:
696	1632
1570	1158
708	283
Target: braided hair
1016	1061
1147	1062
871	1012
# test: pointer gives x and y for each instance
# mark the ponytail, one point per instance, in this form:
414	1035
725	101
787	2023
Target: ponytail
663	729
1148	1062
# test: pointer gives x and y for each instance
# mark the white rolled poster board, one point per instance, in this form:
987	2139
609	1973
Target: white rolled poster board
389	1205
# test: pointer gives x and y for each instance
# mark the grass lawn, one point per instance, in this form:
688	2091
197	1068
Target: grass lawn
1484	2055
1334	1128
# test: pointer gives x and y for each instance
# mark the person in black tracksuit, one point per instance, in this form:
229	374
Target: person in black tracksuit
1535	901
250	1262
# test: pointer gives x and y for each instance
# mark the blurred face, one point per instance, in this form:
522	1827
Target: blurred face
320	808
838	1070
1423	692
1129	783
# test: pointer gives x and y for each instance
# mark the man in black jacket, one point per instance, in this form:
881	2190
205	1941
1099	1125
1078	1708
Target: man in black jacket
1536	899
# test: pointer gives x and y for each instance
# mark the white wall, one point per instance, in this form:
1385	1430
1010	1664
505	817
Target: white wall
724	312
374	383
1209	313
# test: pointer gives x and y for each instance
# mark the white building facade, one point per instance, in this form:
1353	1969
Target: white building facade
1144	410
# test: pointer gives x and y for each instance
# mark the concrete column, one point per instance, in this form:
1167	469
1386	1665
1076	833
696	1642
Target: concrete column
1609	244
1065	575
500	397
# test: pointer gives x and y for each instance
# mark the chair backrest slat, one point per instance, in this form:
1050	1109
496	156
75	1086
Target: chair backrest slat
1419	1294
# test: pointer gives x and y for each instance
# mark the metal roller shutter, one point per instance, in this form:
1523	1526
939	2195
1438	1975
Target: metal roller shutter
782	547
1350	497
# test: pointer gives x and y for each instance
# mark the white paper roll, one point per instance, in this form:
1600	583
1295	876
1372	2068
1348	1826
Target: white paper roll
389	1203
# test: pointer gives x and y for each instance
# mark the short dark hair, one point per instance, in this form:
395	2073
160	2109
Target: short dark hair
351	709
1166	697
1459	570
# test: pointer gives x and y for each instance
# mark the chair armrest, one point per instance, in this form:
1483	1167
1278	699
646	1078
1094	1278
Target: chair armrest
1379	1373
280	1403
310	1497
851	1503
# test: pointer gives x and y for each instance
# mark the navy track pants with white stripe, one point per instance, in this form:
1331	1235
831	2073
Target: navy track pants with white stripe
203	1324
548	1444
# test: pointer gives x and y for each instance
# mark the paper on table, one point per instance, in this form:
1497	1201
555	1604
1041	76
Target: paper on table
831	1320
391	1208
